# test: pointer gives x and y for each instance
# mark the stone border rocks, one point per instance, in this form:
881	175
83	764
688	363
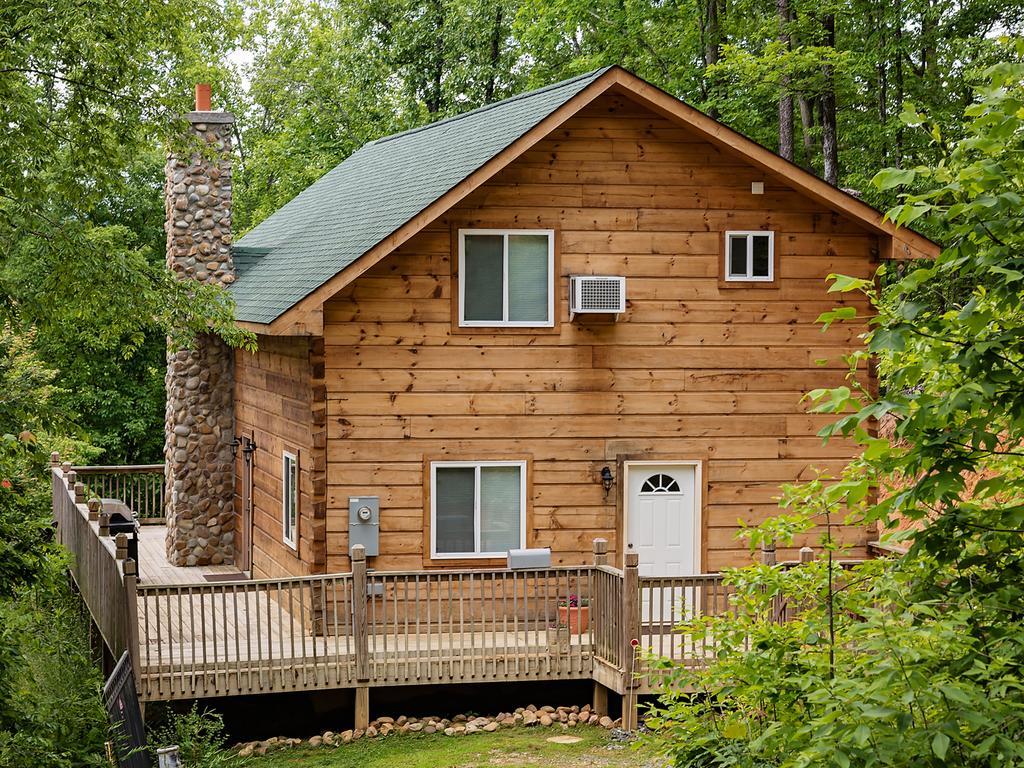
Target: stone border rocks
545	717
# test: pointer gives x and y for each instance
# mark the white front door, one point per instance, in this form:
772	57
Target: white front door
663	528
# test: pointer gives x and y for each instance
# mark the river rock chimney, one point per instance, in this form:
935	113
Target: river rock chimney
199	425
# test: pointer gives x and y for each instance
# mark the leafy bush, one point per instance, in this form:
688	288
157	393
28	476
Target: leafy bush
917	661
51	711
199	735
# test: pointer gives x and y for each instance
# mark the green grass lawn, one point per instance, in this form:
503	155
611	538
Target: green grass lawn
512	748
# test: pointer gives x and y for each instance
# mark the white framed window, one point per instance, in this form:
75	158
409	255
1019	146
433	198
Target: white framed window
506	278
477	508
290	499
750	256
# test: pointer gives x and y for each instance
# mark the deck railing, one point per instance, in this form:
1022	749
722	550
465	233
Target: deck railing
246	637
466	626
140	487
369	628
105	578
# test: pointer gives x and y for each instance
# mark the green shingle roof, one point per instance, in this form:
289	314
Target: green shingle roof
373	193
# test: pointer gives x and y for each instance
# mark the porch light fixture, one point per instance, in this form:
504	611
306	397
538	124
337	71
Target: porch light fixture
247	444
606	479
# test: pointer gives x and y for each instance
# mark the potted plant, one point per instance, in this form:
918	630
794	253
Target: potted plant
575	614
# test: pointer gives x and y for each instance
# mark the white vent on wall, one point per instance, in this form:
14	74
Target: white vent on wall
597	294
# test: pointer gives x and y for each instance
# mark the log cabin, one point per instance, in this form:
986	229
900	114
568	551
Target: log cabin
580	320
587	311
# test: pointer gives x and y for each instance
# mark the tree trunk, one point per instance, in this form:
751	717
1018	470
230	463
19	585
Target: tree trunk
898	159
927	41
711	29
785	97
495	57
435	96
807	129
829	140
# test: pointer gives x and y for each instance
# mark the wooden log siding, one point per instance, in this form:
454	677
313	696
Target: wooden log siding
694	369
279	404
141	487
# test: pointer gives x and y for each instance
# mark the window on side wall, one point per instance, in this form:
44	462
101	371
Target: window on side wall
290	498
506	278
477	509
750	256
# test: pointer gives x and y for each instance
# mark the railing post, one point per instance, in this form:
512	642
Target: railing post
806	555
55	459
121	546
362	645
768	557
600	551
94	509
65	467
630	638
132	610
104	523
598	611
70	477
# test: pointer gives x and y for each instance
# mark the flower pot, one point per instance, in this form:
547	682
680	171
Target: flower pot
577	618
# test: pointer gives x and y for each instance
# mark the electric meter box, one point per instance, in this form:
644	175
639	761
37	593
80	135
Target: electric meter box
364	523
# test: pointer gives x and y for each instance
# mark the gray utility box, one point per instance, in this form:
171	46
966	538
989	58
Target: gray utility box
520	559
364	523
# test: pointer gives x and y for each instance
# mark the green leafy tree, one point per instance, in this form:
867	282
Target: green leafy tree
917	660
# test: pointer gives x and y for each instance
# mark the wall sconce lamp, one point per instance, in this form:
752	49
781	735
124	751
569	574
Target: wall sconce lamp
606	480
246	443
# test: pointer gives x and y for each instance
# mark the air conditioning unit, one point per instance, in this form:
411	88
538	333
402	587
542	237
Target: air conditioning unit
596	294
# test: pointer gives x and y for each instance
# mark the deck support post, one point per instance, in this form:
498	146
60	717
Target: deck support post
599	703
630	639
362	644
362	719
131	578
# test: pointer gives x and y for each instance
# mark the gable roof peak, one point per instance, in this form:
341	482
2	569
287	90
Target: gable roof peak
389	189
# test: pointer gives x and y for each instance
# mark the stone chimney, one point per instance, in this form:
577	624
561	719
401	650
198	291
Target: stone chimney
199	425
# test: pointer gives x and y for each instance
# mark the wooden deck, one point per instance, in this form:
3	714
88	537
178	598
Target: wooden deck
190	637
154	568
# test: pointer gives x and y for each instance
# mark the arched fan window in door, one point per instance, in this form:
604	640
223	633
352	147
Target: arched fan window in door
660	483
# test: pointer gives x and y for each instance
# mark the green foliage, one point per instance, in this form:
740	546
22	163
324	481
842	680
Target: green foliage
28	418
918	660
199	734
51	711
93	90
870	674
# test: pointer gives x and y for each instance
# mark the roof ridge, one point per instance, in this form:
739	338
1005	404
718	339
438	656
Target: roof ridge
518	97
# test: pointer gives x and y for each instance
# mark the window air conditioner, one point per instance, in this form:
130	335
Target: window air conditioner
597	294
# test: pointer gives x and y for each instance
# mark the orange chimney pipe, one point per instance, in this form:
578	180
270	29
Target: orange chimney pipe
202	97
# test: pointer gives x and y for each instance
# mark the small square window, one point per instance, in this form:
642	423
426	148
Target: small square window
750	256
290	498
478	509
506	278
